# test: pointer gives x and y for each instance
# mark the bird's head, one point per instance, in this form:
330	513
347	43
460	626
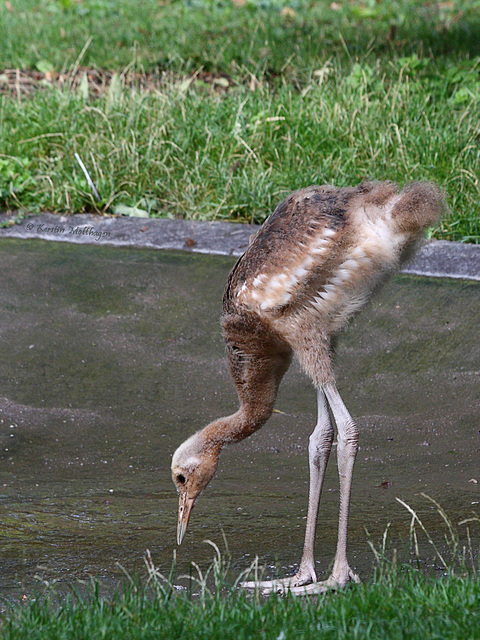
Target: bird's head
193	466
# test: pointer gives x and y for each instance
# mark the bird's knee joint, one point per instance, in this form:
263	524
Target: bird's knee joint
348	437
319	443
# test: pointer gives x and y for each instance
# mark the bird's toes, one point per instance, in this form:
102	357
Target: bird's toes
250	584
339	582
301	580
261	584
279	585
298	586
287	584
304	583
314	588
343	577
304	576
353	576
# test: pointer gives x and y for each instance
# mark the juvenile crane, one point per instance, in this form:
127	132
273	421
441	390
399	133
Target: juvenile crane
313	264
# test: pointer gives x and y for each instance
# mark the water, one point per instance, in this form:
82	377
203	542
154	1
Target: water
111	357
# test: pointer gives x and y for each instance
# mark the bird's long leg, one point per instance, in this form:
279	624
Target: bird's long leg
346	452
319	448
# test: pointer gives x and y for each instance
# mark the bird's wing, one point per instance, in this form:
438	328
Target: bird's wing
299	240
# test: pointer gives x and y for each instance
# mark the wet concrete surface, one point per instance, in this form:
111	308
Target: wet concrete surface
110	357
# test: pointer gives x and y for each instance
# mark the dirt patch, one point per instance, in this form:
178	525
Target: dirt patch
25	82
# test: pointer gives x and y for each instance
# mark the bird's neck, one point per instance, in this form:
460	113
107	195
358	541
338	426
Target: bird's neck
233	428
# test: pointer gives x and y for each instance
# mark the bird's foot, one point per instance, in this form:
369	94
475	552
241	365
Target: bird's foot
333	583
301	587
304	576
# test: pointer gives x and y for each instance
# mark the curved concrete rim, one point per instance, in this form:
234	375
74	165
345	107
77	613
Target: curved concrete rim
438	258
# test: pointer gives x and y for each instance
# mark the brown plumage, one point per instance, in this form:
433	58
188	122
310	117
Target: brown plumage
310	267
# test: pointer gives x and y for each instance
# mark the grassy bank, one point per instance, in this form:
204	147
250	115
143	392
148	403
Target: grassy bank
402	605
400	601
433	595
217	110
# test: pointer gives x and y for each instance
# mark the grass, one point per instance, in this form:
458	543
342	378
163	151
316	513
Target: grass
405	606
217	110
276	37
400	602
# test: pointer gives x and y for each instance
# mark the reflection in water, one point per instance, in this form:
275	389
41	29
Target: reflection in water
111	357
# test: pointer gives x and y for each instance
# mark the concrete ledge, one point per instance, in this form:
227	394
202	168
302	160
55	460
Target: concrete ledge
221	238
436	258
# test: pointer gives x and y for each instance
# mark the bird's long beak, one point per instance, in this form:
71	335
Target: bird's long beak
185	506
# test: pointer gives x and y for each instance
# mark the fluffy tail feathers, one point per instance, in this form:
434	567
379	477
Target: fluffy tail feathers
420	205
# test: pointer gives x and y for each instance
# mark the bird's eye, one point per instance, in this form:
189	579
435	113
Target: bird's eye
181	479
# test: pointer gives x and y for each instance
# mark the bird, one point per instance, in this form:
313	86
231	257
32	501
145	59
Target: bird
312	265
